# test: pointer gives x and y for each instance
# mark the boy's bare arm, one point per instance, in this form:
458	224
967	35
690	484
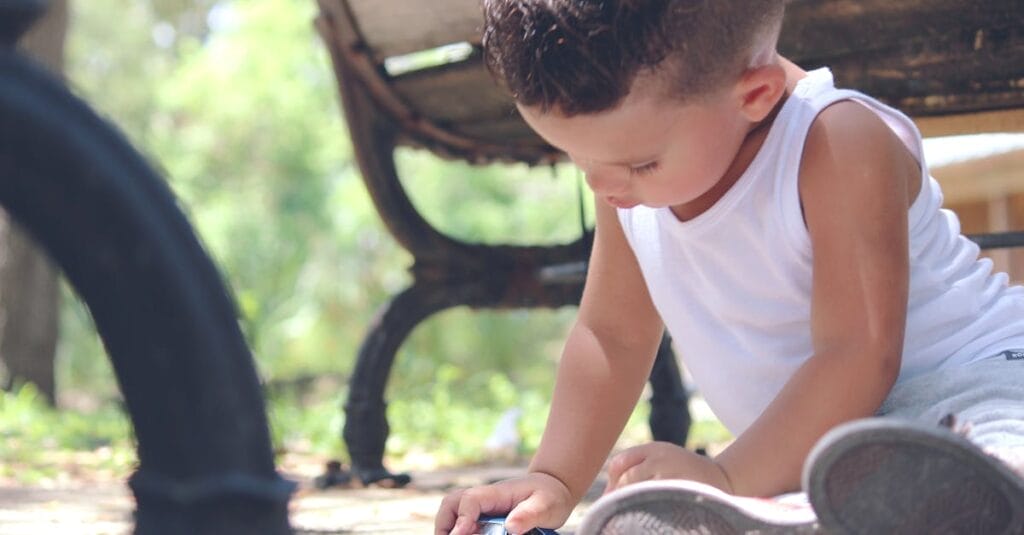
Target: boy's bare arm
856	184
605	364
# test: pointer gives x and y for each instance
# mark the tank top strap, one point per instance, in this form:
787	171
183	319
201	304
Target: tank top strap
820	92
817	91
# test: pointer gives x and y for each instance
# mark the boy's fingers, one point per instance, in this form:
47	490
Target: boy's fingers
464	526
621	463
447	513
468	513
473	502
635	474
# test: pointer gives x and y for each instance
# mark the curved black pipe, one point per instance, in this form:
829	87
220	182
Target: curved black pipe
168	323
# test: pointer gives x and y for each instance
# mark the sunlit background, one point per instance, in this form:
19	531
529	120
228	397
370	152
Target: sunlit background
236	102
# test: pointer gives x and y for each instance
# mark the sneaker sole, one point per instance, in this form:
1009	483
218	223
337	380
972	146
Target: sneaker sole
881	476
689	508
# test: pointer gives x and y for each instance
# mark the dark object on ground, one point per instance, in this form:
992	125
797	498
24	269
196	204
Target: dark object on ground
336	476
495	525
333	476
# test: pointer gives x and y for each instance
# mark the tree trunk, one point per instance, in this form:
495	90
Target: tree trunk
29	293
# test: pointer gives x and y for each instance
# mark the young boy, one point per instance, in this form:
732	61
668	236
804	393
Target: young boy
789	237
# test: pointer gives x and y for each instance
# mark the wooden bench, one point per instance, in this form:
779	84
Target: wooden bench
411	73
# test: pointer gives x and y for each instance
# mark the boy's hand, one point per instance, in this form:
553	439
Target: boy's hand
536	500
663	460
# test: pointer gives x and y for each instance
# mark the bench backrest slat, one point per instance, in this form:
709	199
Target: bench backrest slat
398	27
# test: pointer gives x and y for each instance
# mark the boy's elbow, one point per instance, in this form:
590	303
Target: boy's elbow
884	358
875	359
890	364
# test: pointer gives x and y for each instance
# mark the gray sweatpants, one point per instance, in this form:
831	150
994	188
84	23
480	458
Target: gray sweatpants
986	398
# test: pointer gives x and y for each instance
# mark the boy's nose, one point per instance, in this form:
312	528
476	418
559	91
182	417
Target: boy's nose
605	184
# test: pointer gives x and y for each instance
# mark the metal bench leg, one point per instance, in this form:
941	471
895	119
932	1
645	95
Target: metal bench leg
366	425
670	409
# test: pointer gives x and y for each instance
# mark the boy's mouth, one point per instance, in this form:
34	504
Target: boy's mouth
620	203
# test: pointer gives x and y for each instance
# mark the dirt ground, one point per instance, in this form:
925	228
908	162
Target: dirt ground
104	506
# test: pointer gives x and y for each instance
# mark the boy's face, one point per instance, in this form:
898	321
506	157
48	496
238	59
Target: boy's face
651	150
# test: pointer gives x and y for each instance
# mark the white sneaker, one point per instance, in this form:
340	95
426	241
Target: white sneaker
676	507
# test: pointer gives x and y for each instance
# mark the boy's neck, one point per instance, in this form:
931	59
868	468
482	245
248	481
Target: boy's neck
751	145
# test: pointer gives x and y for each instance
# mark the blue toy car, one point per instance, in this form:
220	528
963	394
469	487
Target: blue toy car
495	525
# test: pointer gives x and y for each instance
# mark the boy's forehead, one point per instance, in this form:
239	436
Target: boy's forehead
633	132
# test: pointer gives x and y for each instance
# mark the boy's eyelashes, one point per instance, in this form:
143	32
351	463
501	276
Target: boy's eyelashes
644	169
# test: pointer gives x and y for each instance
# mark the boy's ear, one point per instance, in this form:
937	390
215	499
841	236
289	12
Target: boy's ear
759	90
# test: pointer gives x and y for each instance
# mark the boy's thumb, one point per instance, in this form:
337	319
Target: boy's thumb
530	513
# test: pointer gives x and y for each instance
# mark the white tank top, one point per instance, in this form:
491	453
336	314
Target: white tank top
733	285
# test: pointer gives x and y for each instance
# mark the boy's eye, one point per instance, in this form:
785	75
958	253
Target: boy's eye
644	169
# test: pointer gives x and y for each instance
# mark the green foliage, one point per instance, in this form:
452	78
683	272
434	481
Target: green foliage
38	443
708	432
32	434
304	426
256	148
496	204
242	118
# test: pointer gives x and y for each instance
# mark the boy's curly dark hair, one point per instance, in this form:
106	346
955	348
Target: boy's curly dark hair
582	56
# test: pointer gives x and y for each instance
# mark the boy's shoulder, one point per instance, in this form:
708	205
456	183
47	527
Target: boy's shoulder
854	167
851	113
849	140
851	127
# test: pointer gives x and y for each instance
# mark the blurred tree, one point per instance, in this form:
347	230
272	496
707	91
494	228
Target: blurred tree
28	281
236	101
